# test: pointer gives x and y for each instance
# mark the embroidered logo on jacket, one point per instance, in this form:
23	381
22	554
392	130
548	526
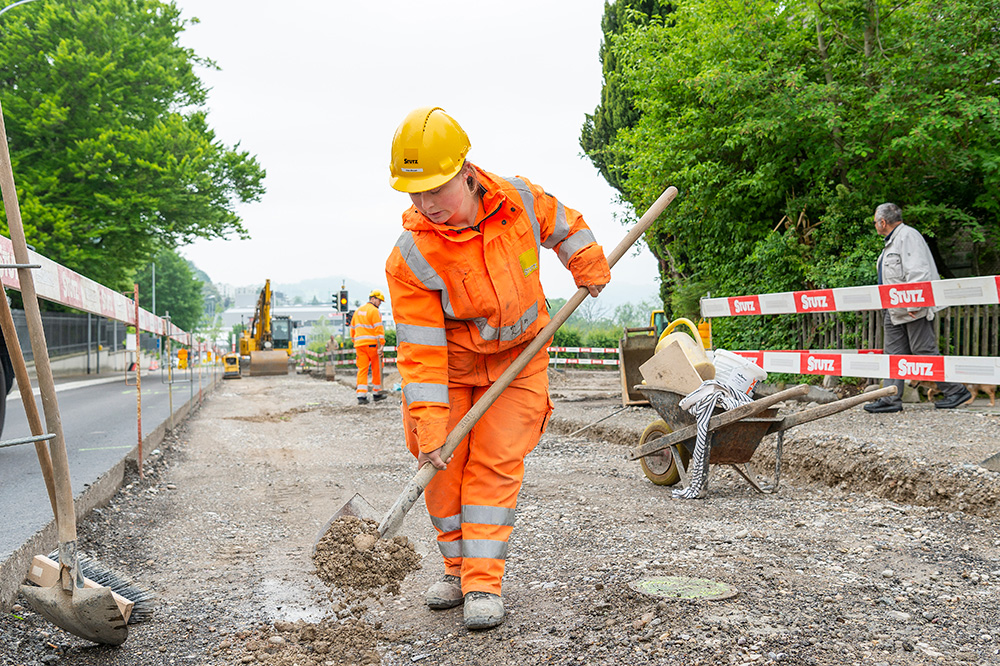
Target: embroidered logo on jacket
529	261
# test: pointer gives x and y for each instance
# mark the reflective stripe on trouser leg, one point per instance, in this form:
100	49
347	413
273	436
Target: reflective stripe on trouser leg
367	359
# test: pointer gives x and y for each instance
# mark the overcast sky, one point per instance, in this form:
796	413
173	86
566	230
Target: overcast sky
316	89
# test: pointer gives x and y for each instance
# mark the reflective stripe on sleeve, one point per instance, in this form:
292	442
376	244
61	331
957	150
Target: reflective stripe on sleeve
577	241
486	515
560	231
422	269
450	548
488	548
432	336
447	524
528	204
417	392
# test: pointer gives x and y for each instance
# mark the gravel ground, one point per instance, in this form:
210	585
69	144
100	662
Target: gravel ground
879	548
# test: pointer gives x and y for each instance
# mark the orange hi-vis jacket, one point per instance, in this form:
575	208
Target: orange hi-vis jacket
467	301
366	327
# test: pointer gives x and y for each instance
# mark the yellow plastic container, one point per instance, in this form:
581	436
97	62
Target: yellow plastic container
693	347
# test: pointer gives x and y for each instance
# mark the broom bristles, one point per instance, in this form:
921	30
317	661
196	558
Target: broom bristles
142	597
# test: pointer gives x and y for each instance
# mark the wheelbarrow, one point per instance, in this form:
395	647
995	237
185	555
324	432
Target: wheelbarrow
666	446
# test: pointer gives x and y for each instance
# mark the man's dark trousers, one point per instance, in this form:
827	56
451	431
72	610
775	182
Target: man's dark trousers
916	338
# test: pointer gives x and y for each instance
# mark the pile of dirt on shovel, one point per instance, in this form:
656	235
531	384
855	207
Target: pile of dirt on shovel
352	557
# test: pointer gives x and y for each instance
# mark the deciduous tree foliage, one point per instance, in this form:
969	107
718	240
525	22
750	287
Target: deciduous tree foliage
784	124
112	153
178	289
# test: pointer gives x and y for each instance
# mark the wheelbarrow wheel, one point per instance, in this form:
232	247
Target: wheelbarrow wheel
659	467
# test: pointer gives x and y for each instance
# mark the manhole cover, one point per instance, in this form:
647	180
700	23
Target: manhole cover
679	587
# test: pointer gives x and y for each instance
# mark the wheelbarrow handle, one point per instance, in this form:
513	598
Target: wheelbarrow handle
716	422
394	518
829	409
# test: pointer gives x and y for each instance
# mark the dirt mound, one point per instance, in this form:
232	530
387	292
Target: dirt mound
351	555
326	643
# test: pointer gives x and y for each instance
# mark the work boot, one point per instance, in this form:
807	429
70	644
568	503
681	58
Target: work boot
953	401
362	401
483	610
378	396
446	593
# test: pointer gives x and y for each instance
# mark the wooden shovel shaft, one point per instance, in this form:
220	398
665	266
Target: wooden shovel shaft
27	396
394	518
65	512
743	411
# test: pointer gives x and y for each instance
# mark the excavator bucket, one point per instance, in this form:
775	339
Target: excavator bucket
268	363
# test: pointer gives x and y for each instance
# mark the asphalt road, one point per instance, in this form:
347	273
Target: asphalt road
99	426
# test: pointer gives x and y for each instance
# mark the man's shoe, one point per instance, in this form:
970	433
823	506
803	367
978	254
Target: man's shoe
446	593
378	396
879	407
953	401
362	401
483	610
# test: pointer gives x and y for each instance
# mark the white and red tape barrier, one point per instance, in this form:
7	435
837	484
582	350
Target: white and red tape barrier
58	284
960	291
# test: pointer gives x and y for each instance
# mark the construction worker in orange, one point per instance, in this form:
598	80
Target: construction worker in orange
369	339
466	299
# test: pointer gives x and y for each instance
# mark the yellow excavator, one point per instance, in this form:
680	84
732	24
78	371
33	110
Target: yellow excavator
268	342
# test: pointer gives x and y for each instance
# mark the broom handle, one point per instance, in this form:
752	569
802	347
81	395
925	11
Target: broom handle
394	518
65	512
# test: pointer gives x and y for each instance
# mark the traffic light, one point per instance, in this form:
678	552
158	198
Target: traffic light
342	301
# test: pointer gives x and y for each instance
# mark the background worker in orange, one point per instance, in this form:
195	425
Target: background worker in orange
466	299
369	339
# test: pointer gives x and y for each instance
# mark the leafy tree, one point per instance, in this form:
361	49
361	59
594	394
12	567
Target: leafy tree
784	124
178	291
111	148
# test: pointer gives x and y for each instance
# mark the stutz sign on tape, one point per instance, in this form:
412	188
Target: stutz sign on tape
744	305
911	295
921	368
817	300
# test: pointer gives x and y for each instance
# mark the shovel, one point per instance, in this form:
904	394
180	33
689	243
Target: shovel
393	520
88	613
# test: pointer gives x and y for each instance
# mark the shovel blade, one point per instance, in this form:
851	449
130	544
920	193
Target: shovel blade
89	613
358	507
992	463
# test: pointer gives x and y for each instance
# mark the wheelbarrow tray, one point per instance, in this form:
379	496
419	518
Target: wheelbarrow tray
734	443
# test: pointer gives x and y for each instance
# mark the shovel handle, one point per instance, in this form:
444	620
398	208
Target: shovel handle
394	518
65	511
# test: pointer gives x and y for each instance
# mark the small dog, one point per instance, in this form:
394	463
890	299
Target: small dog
975	389
989	389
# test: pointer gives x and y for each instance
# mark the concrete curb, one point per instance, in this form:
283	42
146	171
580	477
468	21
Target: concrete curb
14	570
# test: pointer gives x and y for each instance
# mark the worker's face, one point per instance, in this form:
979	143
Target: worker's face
449	204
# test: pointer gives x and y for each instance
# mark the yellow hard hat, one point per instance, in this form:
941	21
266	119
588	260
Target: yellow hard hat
428	150
377	294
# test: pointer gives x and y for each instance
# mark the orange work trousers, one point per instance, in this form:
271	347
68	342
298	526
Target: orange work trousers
367	359
472	502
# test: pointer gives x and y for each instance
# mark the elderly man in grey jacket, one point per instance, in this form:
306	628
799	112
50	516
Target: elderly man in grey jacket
906	258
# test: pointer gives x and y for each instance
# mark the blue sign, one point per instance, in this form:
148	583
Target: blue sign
302	341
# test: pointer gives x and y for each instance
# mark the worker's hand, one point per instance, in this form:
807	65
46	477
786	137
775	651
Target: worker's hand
434	458
595	289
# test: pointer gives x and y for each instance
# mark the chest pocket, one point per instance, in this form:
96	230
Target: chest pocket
468	293
892	268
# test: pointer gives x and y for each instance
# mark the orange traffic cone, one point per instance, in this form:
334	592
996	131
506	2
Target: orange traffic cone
154	365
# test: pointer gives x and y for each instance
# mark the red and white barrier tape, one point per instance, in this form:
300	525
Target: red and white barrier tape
874	365
960	291
58	284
